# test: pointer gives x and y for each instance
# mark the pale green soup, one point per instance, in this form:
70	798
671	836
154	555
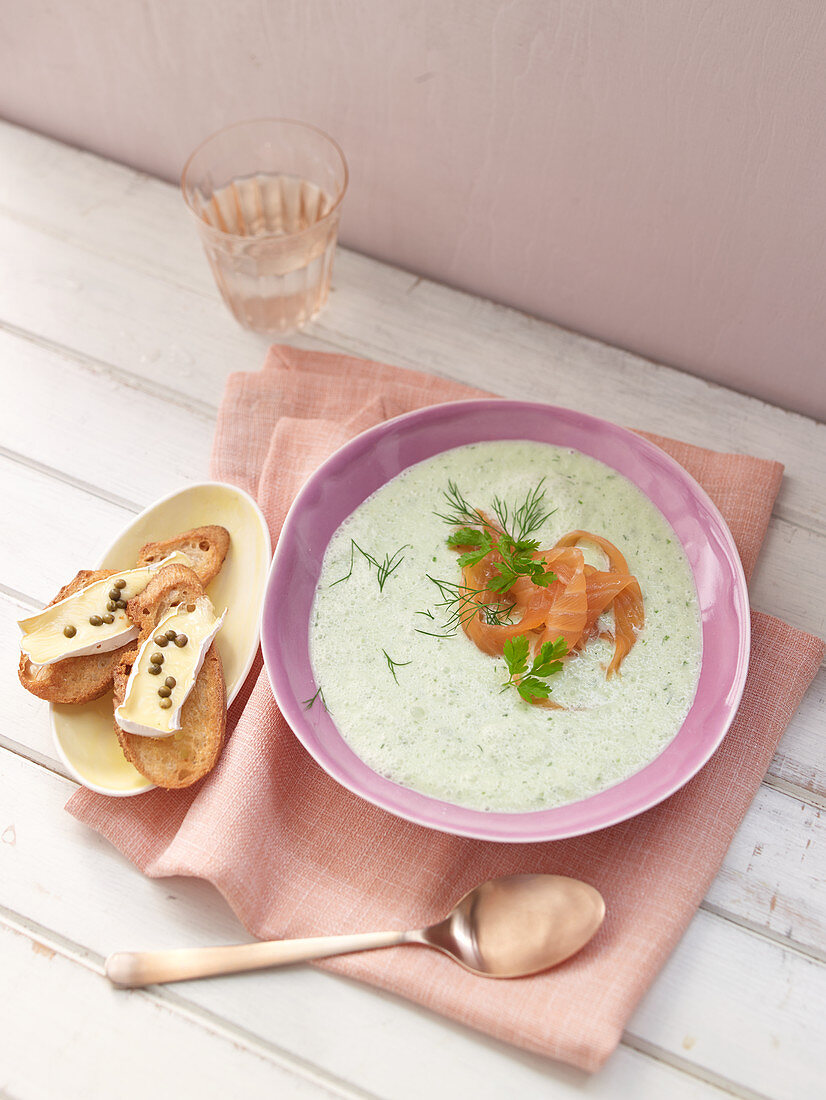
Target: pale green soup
430	713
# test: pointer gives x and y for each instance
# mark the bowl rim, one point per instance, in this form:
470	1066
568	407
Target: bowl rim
550	823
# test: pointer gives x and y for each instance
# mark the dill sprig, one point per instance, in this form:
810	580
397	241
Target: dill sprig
459	512
477	537
512	543
518	522
309	703
461	603
526	518
384	569
393	665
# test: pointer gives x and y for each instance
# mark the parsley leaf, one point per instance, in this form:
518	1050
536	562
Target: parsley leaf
505	580
531	683
548	661
481	543
516	654
530	688
517	561
466	536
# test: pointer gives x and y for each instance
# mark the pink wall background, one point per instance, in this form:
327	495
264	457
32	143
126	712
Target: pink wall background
650	172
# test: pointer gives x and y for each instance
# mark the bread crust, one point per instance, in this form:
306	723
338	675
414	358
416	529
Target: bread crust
206	547
193	751
82	679
75	679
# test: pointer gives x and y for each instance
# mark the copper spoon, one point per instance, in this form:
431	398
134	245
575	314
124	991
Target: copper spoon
505	928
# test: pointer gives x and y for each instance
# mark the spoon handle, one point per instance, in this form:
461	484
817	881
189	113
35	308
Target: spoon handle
130	969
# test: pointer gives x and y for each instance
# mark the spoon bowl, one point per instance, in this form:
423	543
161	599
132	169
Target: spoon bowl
519	925
505	928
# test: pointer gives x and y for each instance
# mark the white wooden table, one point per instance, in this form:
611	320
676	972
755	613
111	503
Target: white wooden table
111	330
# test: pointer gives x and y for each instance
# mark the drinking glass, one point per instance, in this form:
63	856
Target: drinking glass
266	195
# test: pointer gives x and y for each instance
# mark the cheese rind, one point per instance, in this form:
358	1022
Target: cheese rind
140	712
44	642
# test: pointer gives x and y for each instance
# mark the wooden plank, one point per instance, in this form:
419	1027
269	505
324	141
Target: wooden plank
99	307
26	718
42	512
787	581
50	530
169	1043
772	878
799	759
731	1005
74	403
69	880
104	222
109	237
84	1039
135	442
76	194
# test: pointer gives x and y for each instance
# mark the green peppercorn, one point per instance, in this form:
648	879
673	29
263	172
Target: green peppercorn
165	703
170	681
95	620
114	593
156	658
164	692
120	583
70	631
121	604
171	634
108	617
112	605
154	670
161	640
181	641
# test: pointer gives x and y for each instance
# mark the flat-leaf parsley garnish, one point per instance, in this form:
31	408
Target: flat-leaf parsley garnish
514	595
479	544
509	544
510	540
531	682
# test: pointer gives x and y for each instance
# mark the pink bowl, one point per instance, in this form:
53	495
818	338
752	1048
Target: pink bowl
365	463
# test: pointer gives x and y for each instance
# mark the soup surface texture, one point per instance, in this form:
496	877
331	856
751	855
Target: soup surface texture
430	712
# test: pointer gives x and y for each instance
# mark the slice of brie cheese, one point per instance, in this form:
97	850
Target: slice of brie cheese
44	641
141	711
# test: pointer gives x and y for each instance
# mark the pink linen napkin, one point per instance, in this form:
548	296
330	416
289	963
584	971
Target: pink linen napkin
294	854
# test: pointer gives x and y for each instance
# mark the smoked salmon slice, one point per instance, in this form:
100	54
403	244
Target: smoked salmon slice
629	612
568	606
567	612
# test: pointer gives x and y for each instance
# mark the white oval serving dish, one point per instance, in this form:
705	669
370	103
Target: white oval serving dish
84	736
